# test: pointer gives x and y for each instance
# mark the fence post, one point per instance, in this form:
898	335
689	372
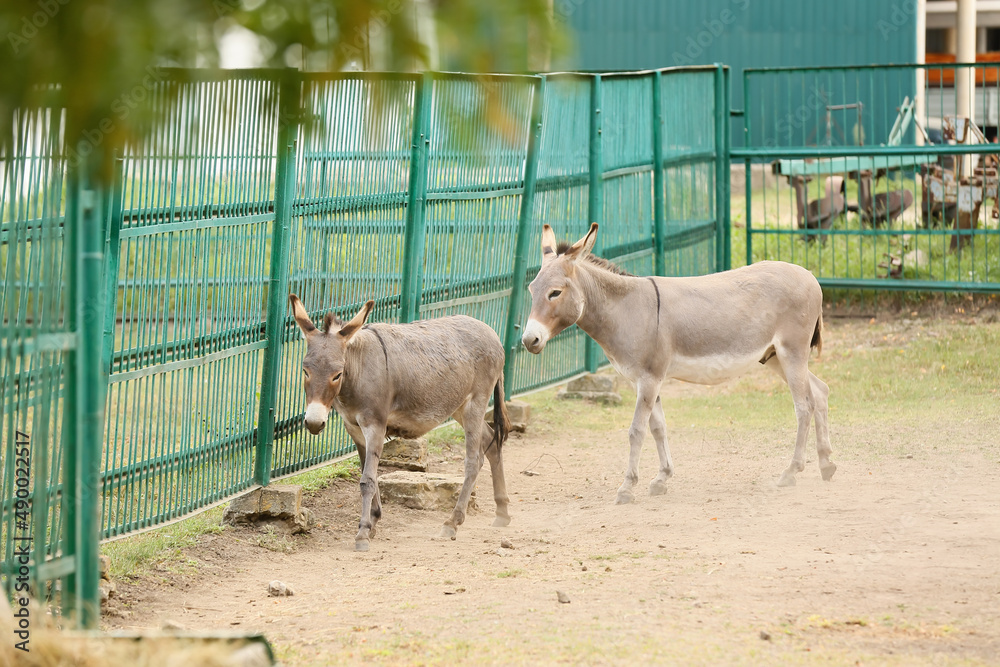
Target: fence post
83	424
523	240
416	205
721	168
289	111
749	174
595	208
112	254
728	240
659	220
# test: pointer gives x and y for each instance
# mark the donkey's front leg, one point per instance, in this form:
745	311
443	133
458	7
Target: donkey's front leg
647	391
472	421
371	507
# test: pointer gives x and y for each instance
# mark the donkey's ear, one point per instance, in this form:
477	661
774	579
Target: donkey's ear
548	244
582	248
301	316
348	330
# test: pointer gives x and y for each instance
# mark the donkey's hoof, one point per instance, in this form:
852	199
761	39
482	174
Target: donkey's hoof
624	498
501	521
828	470
361	545
786	479
448	532
657	487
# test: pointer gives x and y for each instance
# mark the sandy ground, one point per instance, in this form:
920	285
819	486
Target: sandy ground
897	560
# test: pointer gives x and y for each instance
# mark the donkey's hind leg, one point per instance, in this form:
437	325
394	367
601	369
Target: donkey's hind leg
658	427
791	365
821	393
470	416
495	455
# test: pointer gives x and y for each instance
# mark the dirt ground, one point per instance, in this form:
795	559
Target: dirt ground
895	561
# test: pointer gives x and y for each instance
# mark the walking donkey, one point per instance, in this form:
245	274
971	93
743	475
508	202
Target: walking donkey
703	329
402	380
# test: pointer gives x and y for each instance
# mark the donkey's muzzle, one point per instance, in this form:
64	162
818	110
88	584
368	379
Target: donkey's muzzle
315	418
535	336
315	428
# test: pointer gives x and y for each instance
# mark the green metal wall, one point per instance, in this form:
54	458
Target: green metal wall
424	192
639	34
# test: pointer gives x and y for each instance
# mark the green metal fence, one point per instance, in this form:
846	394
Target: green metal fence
424	192
912	215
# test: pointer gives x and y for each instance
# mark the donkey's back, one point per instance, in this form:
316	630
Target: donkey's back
424	371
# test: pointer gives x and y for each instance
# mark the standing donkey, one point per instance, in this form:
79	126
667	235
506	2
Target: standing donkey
703	329
402	380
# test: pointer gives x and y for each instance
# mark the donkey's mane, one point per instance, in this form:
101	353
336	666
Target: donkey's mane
563	246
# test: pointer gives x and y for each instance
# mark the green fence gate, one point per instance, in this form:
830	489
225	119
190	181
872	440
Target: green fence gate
911	216
424	192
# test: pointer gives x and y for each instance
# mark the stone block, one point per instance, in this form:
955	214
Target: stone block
423	491
602	388
105	563
279	501
107	589
592	383
303	522
405	453
518	412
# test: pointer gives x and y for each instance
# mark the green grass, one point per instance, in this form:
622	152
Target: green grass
134	556
137	555
315	480
448	435
857	254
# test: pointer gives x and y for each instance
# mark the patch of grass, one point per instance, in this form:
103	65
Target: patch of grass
131	557
506	574
314	481
272	540
591	415
449	435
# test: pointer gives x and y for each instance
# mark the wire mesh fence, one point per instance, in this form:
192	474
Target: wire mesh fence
882	176
423	192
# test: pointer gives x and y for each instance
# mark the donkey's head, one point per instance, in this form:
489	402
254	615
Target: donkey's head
556	299
323	365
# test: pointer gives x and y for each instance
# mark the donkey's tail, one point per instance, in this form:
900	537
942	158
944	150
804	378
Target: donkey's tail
501	421
817	339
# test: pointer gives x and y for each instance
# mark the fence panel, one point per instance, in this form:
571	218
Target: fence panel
35	339
691	152
188	266
348	229
561	199
871	190
475	177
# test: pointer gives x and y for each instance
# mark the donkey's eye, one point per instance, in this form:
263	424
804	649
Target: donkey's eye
306	373
554	293
337	376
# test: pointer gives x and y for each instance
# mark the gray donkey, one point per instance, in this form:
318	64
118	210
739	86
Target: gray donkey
402	380
701	329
